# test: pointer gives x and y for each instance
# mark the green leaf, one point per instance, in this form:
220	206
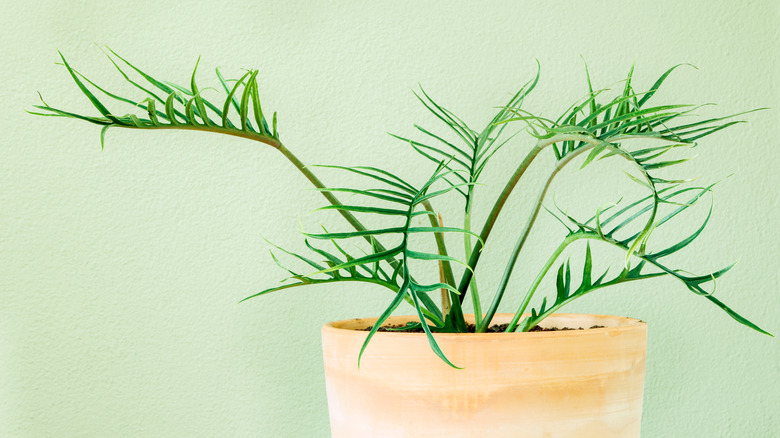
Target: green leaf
298	256
371	258
737	317
461	129
656	152
560	285
108	93
635	114
244	108
606	110
662	164
133	83
593	154
189	111
330	236
331	260
683	243
641	182
196	97
440	230
159	84
169	110
61	113
434	286
274	289
231	99
697	280
587	268
95	101
666	198
417	145
150	109
432	256
437	160
258	111
375	173
708	132
164	86
438	193
431	340
103	136
657	85
399	296
363	209
445	142
370	193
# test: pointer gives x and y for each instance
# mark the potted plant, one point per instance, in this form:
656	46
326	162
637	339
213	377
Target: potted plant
442	372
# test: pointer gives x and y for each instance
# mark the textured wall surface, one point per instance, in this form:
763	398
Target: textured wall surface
120	270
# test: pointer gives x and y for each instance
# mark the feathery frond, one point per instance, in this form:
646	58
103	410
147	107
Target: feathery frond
180	107
647	259
598	126
375	266
476	148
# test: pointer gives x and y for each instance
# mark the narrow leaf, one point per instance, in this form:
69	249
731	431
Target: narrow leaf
399	296
95	101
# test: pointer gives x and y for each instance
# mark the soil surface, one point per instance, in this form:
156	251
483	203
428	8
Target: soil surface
496	328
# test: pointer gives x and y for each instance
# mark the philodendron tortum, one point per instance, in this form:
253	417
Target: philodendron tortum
594	128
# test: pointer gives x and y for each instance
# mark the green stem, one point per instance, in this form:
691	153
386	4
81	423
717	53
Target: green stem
473	291
529	323
591	143
306	171
270	141
524	235
447	296
531	290
465	280
356	224
501	200
276	144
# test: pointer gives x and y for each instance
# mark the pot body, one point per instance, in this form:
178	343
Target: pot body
574	383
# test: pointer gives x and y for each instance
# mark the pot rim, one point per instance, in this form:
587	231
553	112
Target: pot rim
355	326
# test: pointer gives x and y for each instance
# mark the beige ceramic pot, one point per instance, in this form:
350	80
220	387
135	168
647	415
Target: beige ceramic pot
576	383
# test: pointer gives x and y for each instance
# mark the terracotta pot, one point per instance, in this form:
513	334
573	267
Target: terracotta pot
575	383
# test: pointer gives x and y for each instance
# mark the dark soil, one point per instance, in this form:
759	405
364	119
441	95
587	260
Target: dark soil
496	328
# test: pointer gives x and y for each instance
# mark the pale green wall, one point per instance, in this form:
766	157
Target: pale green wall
120	270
